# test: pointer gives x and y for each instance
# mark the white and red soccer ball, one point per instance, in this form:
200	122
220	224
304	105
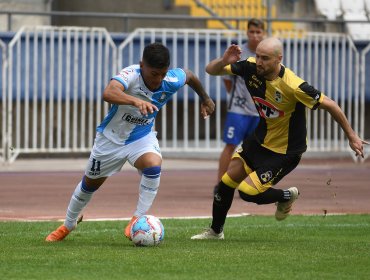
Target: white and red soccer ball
147	230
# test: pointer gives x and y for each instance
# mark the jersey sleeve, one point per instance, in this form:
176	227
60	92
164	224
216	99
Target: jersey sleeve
175	79
124	76
309	96
242	67
238	68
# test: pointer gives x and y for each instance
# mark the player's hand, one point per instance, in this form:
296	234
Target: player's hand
146	107
232	54
207	107
357	145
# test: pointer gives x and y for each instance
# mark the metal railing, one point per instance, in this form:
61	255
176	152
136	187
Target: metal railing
55	77
3	71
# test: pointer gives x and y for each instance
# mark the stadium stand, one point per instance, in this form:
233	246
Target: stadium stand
352	6
358	31
235	8
355	10
330	9
367	8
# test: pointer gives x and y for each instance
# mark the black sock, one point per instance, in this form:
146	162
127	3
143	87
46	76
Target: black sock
271	195
222	201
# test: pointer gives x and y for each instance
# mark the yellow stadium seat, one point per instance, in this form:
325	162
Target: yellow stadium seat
235	8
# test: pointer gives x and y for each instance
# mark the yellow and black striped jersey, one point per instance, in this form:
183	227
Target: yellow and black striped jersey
281	103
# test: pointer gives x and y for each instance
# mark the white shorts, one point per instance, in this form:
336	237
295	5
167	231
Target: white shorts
107	158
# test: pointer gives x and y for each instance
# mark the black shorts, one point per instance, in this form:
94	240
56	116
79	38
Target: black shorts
269	167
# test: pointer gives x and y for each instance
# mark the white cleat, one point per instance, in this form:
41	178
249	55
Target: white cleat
208	234
283	208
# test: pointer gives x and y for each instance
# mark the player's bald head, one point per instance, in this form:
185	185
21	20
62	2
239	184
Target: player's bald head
271	46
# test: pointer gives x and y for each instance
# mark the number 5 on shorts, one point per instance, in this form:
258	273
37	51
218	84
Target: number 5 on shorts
230	132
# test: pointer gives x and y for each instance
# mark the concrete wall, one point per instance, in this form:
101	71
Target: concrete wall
24	5
157	7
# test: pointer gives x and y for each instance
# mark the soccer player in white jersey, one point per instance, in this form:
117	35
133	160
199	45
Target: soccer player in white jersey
136	94
242	117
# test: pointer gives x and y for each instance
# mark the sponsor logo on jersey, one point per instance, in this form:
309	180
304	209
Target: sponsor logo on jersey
124	74
278	97
163	97
265	177
171	79
266	109
255	82
136	120
145	91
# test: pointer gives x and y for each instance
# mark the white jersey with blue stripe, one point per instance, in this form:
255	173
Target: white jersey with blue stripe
124	123
239	100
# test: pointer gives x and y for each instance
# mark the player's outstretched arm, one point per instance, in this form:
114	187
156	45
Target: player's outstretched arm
217	66
114	94
355	142
207	105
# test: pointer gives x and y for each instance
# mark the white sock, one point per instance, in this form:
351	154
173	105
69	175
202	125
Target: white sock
147	192
78	201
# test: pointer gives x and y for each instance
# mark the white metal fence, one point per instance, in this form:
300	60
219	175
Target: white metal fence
55	77
329	62
3	98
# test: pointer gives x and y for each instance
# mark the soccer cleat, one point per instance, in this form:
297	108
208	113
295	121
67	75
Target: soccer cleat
58	235
283	208
61	232
208	234
129	226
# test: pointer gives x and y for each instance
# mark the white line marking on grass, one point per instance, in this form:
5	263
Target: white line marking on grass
48	219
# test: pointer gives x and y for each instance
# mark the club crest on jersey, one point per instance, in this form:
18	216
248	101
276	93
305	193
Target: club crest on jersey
266	109
278	97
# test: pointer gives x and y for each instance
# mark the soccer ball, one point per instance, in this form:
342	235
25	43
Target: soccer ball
147	230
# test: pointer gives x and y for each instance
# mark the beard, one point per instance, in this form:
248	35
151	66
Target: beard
264	72
261	71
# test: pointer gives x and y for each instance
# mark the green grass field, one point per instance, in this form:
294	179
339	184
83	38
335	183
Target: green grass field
255	247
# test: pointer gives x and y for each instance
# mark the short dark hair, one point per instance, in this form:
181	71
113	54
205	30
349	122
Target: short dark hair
256	22
156	55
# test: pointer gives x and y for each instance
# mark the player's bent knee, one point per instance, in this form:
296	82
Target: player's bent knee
250	194
91	185
246	197
226	179
258	199
248	189
150	178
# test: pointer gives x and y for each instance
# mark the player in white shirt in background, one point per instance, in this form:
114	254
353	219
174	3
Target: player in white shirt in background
136	94
242	117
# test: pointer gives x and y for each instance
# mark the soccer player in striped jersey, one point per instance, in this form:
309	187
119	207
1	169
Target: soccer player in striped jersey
126	134
242	117
279	141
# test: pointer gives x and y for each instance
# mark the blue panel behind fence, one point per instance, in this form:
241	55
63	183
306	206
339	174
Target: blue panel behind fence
33	78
